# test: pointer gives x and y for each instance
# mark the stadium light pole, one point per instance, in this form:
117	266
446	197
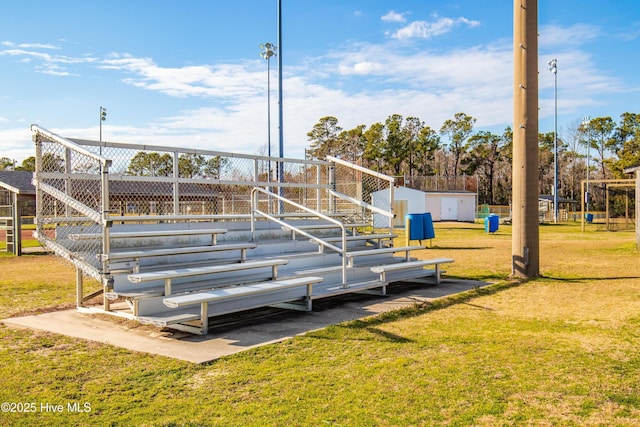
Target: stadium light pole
553	67
268	50
280	115
586	123
280	108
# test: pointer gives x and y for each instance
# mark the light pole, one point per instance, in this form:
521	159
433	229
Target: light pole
280	108
268	50
103	117
586	123
553	67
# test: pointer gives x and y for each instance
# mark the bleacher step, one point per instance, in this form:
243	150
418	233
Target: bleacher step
167	319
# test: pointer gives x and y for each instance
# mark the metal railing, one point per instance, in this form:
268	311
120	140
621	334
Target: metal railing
364	191
71	183
343	233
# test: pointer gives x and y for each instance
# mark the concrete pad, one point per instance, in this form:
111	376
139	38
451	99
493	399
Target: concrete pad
242	331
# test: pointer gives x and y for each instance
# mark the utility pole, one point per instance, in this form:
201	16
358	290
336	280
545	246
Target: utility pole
525	239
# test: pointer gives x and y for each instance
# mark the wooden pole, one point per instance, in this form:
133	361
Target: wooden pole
525	238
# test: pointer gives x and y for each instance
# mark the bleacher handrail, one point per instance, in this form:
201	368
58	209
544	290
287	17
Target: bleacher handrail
391	179
362	204
37	130
343	230
388	214
184	150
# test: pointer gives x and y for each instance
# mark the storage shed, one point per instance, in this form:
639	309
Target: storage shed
17	199
443	205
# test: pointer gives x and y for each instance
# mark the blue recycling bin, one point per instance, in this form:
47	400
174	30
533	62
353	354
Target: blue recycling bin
427	226
415	225
491	223
589	218
419	226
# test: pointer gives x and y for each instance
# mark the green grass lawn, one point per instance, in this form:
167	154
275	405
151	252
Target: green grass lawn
561	350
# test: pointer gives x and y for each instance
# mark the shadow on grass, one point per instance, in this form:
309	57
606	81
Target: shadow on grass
456	248
381	335
586	279
368	324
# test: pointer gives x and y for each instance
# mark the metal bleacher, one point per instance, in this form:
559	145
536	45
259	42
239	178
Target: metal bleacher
178	236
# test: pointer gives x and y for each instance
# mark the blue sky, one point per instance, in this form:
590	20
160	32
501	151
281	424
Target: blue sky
189	73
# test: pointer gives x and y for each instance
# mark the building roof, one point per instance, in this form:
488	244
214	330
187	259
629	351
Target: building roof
17	182
549	198
632	169
405	189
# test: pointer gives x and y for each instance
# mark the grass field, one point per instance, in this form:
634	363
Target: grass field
560	350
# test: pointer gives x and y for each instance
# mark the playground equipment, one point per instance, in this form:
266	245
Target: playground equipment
177	236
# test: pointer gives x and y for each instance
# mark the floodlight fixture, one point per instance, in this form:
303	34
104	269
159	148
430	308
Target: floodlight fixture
102	117
268	50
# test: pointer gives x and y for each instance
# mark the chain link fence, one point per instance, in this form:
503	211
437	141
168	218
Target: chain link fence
85	186
441	183
366	194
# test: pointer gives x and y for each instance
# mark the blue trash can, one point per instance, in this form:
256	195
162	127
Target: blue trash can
415	224
427	223
491	223
589	218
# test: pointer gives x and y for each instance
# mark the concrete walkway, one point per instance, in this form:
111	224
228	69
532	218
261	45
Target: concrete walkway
233	334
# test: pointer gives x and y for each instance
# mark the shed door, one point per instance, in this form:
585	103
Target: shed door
449	208
400	209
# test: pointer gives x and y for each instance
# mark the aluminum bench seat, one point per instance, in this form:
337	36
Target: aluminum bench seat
204	299
169	275
415	269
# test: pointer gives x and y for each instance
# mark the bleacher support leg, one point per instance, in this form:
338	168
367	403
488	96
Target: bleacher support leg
204	317
79	287
105	301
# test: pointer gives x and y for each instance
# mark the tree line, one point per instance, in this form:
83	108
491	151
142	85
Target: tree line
142	164
410	148
28	164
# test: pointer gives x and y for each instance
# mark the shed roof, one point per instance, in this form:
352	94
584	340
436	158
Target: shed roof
549	198
17	182
632	169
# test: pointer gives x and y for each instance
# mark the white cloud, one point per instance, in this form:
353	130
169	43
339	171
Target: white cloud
394	17
25	53
629	34
46	63
360	84
224	80
363	67
426	30
29	45
16	143
54	70
553	36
